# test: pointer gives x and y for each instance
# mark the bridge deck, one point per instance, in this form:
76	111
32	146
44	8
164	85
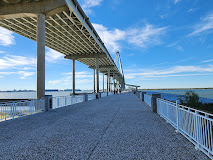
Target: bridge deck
115	127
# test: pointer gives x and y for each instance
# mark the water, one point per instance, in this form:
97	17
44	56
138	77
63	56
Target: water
30	95
206	95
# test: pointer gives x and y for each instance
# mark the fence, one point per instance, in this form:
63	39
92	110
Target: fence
195	125
11	110
147	99
62	101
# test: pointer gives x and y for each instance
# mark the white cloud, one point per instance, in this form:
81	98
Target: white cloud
176	71
139	36
180	48
1	52
12	61
205	25
176	1
54	82
53	56
81	77
88	4
23	74
210	60
145	36
110	37
6	37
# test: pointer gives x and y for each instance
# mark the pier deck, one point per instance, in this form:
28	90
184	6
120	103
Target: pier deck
114	127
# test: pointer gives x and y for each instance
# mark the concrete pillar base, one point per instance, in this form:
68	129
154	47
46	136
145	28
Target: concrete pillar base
48	102
143	93
154	102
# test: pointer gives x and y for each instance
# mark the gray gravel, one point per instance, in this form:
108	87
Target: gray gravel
114	127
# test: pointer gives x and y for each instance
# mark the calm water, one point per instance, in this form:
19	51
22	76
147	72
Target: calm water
29	95
205	93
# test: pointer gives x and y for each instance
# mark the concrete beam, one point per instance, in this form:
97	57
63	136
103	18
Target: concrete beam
41	56
20	10
85	56
102	66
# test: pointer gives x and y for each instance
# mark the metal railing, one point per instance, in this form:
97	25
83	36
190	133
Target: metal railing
91	96
194	124
15	109
147	99
62	101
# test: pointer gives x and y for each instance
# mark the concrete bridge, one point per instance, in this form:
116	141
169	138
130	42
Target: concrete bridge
113	127
63	26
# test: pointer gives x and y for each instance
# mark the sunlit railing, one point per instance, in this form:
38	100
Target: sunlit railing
91	96
194	124
62	101
147	99
14	109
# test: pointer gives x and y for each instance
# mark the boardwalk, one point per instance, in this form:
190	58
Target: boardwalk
114	127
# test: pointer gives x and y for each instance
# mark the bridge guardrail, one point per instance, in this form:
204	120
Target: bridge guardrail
15	109
195	125
62	101
147	99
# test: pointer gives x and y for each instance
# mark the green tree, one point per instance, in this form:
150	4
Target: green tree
191	99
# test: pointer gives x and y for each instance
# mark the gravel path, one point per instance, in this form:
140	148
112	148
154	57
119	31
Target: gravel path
114	127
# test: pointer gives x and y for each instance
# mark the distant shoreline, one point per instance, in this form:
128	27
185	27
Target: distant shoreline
175	89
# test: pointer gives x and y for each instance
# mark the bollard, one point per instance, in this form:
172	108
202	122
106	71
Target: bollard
48	102
143	93
154	102
99	94
85	97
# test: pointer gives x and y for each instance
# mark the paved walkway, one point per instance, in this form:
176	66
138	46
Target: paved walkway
114	127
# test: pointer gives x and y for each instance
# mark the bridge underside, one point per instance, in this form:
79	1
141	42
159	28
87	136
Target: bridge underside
114	127
60	25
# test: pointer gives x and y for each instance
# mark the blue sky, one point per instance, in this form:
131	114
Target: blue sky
163	44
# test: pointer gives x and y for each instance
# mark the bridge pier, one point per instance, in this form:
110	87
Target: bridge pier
94	80
108	80
103	82
97	75
41	56
73	76
114	83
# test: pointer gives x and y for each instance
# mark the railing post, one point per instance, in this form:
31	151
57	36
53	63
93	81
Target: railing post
196	125
154	102
143	93
177	114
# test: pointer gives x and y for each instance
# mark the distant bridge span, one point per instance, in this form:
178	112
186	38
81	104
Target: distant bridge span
63	26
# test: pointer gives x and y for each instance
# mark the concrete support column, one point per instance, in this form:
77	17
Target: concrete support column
110	87
143	93
154	102
108	81
114	82
94	80
41	56
73	76
97	75
103	82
